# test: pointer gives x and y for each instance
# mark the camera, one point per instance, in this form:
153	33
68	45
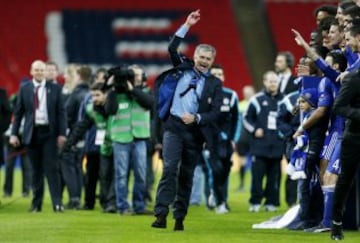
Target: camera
117	77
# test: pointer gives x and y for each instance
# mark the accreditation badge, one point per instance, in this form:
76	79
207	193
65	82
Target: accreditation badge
100	137
271	121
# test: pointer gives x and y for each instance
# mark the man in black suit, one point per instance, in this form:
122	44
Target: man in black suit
283	63
195	106
41	104
5	115
347	105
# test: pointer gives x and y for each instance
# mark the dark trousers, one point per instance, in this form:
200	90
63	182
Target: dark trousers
350	159
219	170
2	157
181	151
311	201
270	167
290	185
290	191
91	178
12	155
42	152
150	177
209	180
72	174
311	198
107	183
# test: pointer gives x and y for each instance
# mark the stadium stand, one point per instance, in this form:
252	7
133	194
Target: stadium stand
26	34
283	15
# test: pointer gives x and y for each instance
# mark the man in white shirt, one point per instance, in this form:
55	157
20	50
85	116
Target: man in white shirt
40	103
283	63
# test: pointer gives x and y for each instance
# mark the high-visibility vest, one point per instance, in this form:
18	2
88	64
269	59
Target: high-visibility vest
131	121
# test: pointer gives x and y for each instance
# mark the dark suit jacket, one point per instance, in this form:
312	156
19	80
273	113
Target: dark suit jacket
5	111
347	103
25	108
211	97
290	86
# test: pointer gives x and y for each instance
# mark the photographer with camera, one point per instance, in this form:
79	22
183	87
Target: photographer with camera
129	104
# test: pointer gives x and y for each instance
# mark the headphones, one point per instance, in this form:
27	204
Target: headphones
289	58
144	76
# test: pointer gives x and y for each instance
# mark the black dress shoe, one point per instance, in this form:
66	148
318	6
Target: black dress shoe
34	210
58	208
160	222
179	225
336	232
110	209
74	205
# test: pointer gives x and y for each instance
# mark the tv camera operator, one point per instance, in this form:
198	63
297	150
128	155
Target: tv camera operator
129	105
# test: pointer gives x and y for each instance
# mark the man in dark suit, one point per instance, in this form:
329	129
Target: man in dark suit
195	106
71	163
347	105
283	63
5	115
41	104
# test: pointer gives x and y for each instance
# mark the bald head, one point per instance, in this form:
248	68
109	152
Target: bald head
248	92
271	83
37	70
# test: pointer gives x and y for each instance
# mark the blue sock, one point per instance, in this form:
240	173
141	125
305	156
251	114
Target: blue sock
328	205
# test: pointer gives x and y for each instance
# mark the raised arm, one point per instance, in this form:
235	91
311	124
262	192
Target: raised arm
319	61
301	42
175	41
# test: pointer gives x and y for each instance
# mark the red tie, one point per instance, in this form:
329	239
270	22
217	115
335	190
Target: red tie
36	97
